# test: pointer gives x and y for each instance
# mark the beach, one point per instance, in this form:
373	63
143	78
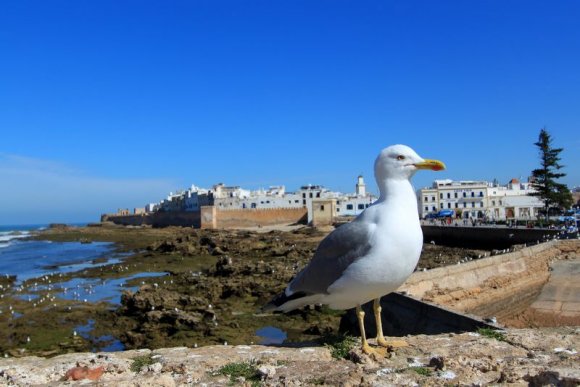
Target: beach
146	287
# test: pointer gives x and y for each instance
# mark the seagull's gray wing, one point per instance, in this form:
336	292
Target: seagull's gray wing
334	254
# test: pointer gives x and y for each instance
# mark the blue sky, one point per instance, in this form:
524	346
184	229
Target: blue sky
112	104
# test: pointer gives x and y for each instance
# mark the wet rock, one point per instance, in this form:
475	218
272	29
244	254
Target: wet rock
224	266
437	362
207	241
313	330
217	251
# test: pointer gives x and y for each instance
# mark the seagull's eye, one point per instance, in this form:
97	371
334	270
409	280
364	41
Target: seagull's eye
400	157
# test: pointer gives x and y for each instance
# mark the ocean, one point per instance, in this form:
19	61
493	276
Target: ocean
27	259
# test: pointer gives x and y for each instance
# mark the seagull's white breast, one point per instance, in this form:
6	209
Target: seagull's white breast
396	248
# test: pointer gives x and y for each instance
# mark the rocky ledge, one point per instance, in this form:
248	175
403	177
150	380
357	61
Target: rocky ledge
516	356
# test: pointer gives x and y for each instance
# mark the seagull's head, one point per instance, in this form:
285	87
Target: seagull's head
401	162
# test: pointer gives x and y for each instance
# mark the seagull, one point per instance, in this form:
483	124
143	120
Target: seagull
371	256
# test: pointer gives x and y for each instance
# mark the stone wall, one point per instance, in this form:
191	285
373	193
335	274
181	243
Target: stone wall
484	237
501	285
157	219
259	217
323	212
525	357
211	217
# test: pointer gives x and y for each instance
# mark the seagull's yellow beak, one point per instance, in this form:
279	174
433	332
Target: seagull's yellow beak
434	165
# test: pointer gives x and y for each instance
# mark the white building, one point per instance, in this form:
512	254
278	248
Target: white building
513	201
234	197
468	197
480	199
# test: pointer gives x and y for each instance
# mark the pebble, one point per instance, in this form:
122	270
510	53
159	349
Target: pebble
267	371
449	375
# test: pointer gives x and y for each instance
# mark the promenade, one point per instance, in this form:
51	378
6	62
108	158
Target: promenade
561	295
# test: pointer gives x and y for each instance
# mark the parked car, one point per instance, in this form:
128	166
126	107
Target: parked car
446	214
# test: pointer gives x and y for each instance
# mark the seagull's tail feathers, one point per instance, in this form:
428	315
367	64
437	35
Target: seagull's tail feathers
285	303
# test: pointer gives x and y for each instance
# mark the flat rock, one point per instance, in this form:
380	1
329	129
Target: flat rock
524	356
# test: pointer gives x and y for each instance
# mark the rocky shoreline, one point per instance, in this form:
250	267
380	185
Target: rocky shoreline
200	321
211	287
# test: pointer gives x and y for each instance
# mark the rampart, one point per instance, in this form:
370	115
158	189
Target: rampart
236	218
211	217
501	285
485	237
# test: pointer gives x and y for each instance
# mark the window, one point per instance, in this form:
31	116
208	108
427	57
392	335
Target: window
318	194
296	201
432	198
455	195
426	199
500	203
426	208
310	195
338	202
361	206
480	194
322	207
448	195
448	205
303	202
253	205
481	204
464	205
473	205
456	205
441	205
493	203
304	195
464	194
472	194
349	207
434	208
441	195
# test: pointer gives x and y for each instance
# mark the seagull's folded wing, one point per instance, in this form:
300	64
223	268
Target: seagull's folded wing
335	253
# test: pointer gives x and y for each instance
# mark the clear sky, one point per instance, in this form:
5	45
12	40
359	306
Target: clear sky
113	104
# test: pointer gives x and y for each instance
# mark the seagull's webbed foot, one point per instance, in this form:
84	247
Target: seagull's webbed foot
389	344
374	352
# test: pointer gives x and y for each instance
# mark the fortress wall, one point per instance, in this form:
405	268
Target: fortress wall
211	217
484	237
158	219
501	285
259	217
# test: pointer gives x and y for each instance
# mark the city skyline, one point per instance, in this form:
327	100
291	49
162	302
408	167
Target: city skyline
111	105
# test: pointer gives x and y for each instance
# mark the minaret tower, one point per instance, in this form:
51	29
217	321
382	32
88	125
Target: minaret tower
361	187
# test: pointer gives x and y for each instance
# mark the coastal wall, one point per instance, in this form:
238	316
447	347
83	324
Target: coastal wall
501	286
157	219
484	237
259	217
211	217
